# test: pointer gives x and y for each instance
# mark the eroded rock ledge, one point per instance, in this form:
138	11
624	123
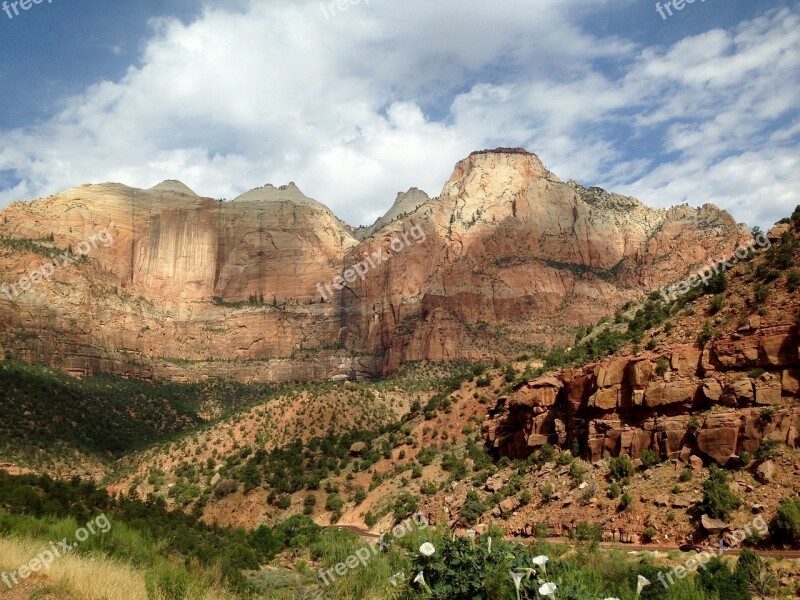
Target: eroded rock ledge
710	402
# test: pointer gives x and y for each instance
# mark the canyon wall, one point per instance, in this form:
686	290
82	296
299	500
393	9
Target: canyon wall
508	257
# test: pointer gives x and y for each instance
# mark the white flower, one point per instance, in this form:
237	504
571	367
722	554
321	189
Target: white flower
612	598
517	577
427	549
420	578
394	578
541	561
548	589
642	583
489	545
471	533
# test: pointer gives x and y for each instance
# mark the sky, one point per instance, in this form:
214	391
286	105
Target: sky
357	104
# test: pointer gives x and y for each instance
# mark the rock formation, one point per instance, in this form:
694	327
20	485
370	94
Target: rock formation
509	256
713	402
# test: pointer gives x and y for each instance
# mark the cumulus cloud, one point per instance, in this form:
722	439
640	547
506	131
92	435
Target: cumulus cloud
365	103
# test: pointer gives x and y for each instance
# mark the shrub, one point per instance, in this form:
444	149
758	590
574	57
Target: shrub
718	500
793	281
472	508
613	491
309	503
625	501
706	334
564	459
717	577
717	304
334	503
650	458
621	467
649	534
766	449
547	493
744	458
405	506
686	475
547	452
662	366
785	527
370	520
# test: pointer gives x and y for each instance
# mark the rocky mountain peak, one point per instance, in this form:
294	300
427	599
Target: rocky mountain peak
174	186
495	173
284	193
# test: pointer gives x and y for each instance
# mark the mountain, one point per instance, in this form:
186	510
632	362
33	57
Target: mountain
508	259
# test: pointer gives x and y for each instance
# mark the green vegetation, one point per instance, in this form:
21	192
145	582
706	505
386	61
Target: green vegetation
785	527
718	499
621	467
104	416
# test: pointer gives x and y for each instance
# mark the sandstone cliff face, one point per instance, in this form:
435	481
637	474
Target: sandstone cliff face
509	256
706	403
512	253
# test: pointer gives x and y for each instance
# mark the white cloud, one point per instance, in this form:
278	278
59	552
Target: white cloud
389	95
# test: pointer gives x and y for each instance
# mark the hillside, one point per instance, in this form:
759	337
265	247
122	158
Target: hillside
697	404
666	391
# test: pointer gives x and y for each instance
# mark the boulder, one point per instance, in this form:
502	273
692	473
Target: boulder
742	390
712	390
713	525
766	471
357	448
767	390
719	444
696	463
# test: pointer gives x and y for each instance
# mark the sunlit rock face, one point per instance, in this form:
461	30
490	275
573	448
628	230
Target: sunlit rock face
508	255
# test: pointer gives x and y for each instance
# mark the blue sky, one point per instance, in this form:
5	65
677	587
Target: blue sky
357	105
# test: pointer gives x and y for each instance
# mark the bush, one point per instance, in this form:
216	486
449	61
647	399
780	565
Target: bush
662	366
717	577
405	506
309	503
370	520
718	500
649	534
621	467
793	281
650	458
360	495
785	527
547	493
686	475
717	304
706	335
613	491
564	459
766	449
625	501
472	508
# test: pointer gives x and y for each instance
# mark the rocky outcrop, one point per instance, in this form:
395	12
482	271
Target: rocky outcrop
508	255
710	403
